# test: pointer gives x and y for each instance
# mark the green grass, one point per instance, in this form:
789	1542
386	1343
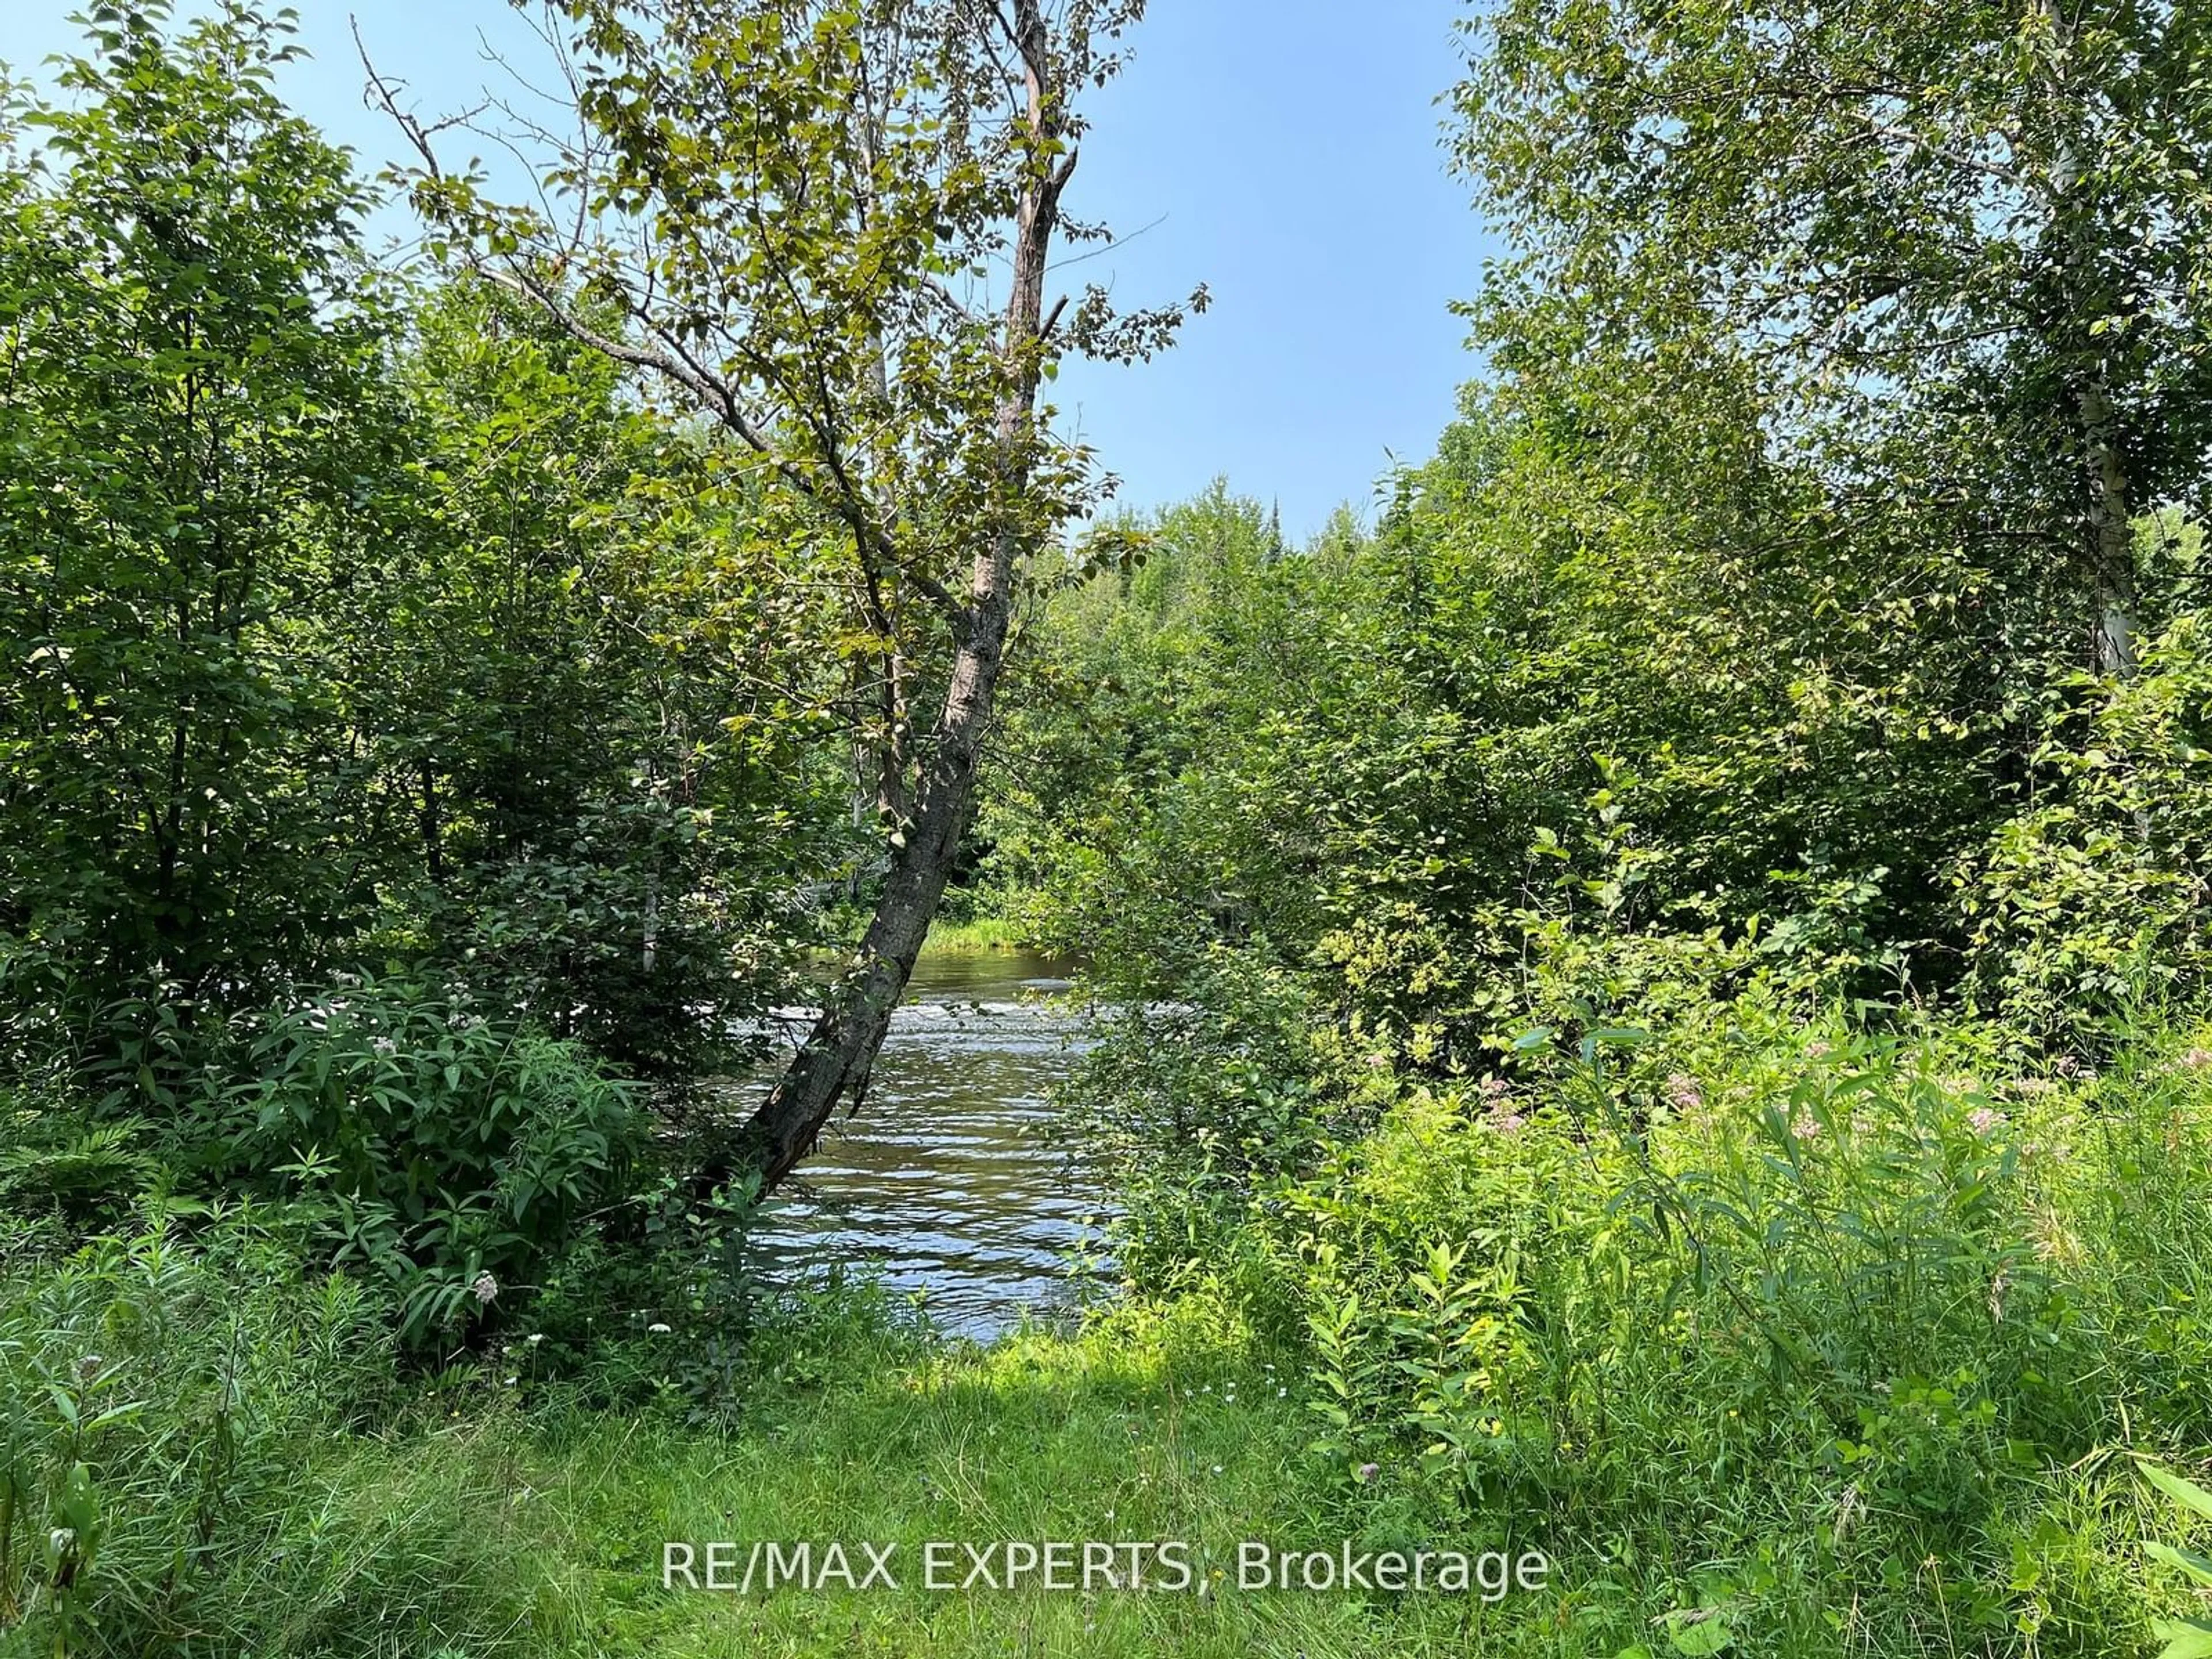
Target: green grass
988	933
505	1529
1145	1428
1843	1353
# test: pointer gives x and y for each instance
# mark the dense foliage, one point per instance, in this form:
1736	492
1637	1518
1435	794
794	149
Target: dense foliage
1649	1002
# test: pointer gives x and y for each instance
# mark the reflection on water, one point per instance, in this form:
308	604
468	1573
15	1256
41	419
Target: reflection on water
942	1180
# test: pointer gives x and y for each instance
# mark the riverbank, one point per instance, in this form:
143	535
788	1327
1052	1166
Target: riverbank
1849	1347
987	933
1148	1432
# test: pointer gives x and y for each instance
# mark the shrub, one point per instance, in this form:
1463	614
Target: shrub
454	1152
2094	896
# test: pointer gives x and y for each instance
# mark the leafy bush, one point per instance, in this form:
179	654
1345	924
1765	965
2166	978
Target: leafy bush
54	1160
455	1152
1832	1303
2095	898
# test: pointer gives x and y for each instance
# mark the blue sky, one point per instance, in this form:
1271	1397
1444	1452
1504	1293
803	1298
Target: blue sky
1288	151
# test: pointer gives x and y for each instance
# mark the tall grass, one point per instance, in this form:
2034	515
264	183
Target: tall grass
1775	1338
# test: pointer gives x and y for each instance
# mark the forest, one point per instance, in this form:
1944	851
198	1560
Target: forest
1644	1004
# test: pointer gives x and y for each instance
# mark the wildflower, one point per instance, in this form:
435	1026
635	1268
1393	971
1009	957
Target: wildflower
1368	1472
1818	1049
1805	1127
485	1287
537	1337
2028	1087
88	1367
384	1045
2197	1058
1282	1394
1494	1089
657	1328
1377	1062
1986	1120
1216	1468
1507	1122
1682	1093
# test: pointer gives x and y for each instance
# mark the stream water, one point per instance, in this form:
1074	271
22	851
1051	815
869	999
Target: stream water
943	1183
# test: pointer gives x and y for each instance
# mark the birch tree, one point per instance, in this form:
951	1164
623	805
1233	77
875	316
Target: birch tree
1960	249
828	227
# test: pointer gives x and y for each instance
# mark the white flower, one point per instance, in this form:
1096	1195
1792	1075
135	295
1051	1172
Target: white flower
657	1328
537	1337
486	1287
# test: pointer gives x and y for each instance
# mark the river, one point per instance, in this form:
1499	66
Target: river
943	1184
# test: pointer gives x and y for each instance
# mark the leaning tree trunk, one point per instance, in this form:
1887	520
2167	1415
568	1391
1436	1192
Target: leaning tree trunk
833	1062
834	1059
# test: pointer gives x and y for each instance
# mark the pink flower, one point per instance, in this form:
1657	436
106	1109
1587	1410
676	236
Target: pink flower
1805	1127
1986	1120
1507	1122
1682	1092
2197	1058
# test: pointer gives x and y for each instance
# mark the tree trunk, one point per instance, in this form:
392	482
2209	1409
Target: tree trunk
834	1060
2111	553
2112	556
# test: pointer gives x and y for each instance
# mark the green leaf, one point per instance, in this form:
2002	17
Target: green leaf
1698	1633
2190	1563
2185	1493
2184	1638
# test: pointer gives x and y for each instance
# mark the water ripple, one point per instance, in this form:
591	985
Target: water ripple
944	1181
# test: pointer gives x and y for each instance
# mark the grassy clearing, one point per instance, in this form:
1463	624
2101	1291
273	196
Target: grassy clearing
510	1531
1145	1428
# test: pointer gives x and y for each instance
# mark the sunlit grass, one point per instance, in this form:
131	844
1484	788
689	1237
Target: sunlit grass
988	933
